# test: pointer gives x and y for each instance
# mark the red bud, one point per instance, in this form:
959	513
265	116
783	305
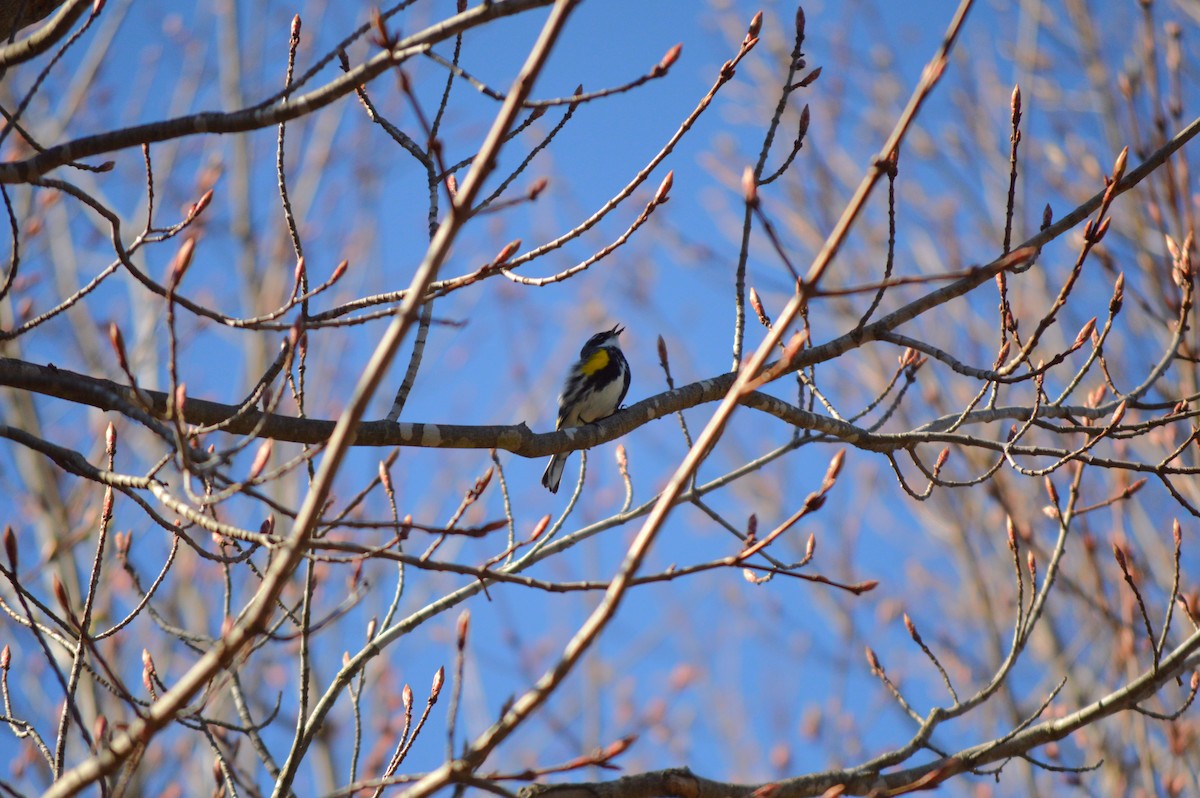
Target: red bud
507	252
10	547
200	205
183	259
1119	166
670	58
664	188
260	459
749	187
118	345
464	623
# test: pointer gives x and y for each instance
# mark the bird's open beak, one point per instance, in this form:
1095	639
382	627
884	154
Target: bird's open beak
617	329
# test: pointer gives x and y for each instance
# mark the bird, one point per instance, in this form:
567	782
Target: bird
595	387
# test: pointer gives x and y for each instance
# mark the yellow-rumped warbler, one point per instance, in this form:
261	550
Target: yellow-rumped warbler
594	389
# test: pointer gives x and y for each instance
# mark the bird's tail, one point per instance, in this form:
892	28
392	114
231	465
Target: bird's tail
553	472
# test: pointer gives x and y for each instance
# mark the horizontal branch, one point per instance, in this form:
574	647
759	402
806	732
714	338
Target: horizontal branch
520	440
516	438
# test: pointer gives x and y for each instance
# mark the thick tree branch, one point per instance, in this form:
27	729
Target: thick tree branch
17	14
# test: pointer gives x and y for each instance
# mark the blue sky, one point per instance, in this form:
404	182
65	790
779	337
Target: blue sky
742	668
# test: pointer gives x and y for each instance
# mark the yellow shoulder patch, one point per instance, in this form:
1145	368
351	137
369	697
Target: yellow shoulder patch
596	361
